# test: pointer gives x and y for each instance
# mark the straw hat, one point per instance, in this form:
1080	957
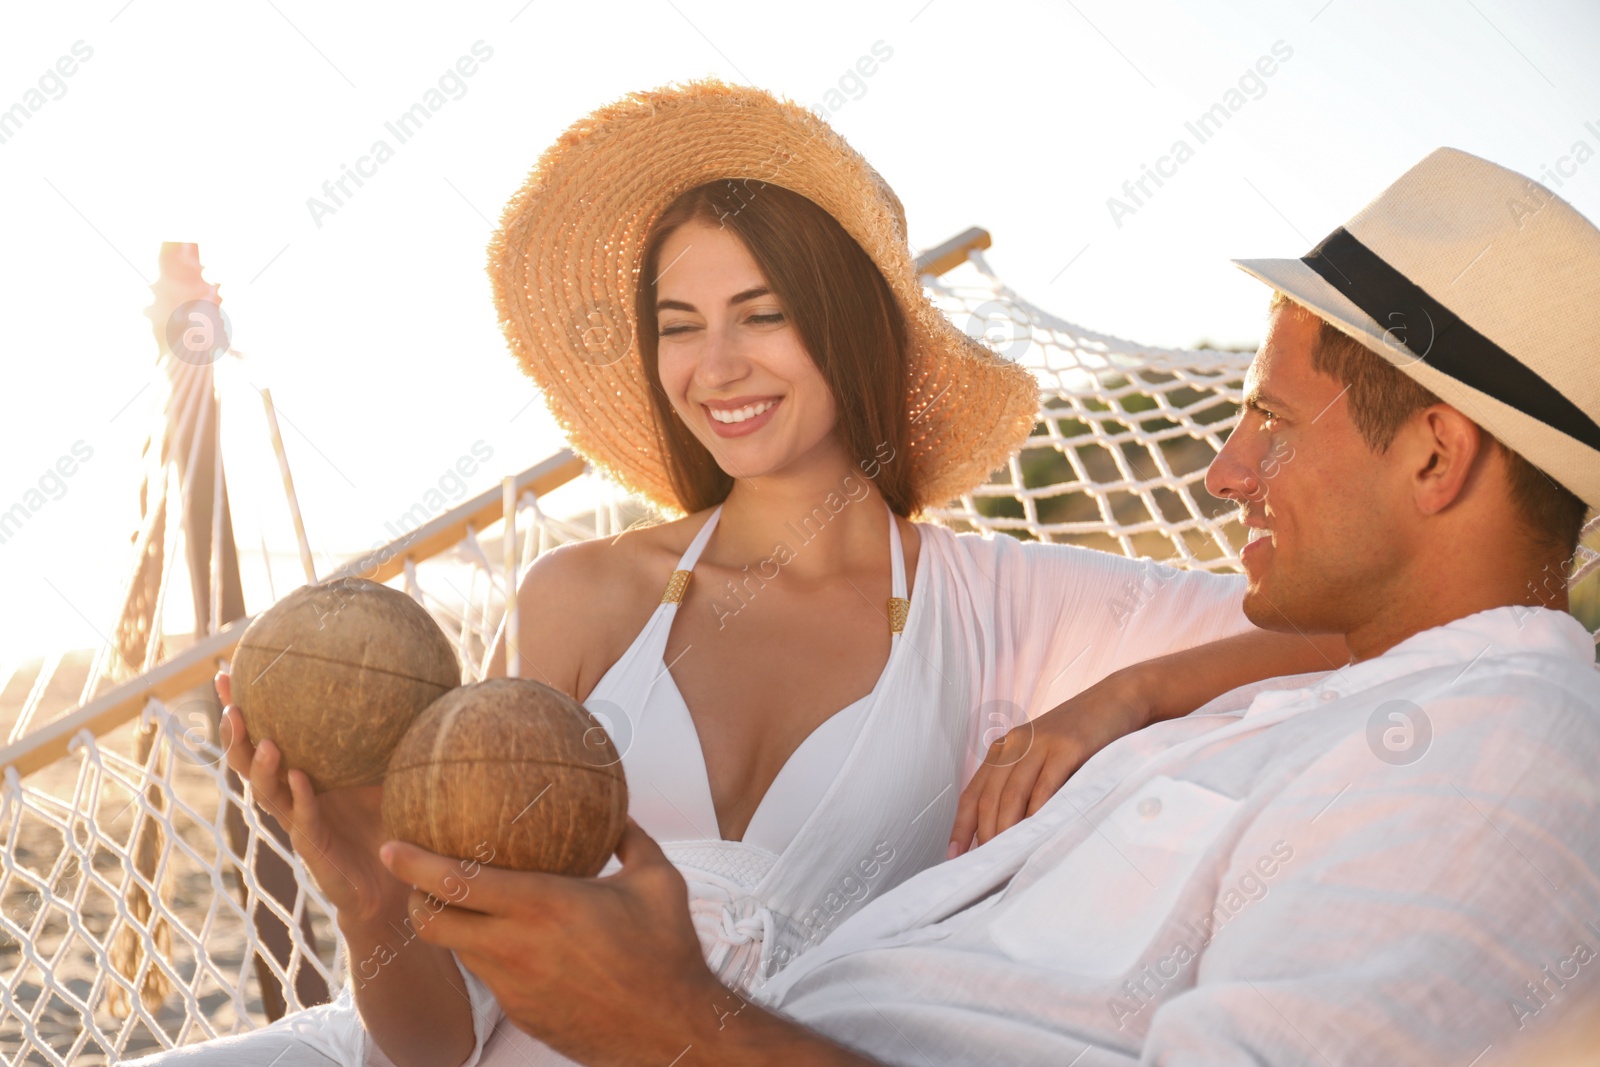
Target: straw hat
1482	285
564	261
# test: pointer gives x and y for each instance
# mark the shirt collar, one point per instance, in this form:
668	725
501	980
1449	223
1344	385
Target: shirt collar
1491	634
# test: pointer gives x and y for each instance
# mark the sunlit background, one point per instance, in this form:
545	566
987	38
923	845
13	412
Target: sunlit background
373	325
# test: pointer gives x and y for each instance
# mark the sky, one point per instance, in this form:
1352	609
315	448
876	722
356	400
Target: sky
373	325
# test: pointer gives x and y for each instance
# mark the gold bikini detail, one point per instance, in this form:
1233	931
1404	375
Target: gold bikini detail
899	606
675	587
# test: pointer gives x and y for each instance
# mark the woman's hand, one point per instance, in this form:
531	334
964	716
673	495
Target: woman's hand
1024	768
336	834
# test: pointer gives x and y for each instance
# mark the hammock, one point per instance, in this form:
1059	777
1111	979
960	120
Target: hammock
138	908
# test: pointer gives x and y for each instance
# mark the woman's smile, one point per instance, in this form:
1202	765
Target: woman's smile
741	415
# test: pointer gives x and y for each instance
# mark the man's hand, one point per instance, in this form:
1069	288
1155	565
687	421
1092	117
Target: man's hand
600	969
1024	768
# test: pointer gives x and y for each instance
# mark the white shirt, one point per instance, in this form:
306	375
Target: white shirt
1395	862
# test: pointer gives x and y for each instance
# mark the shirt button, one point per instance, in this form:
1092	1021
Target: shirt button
1327	695
1150	807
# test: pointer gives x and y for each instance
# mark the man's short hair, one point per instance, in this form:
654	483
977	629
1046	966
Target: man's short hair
1383	398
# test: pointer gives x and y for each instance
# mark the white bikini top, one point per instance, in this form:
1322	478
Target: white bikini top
669	793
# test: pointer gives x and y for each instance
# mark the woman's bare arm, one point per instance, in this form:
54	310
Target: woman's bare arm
1171	686
411	995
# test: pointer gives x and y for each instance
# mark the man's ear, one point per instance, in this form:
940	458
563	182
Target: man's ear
1445	449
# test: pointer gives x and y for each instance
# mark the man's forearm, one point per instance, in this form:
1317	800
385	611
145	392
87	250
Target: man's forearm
1173	685
410	994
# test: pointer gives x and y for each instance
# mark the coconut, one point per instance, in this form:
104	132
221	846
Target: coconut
512	773
336	673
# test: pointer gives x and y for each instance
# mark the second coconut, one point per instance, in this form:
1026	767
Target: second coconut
515	765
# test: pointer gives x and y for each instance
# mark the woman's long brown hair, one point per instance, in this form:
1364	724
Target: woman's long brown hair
836	298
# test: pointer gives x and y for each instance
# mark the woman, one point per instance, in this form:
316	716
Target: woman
715	295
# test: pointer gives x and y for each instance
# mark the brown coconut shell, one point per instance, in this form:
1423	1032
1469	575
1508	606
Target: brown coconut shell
514	765
336	673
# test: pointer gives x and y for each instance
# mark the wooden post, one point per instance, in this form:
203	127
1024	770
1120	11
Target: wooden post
191	334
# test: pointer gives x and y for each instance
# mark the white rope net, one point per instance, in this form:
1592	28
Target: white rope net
72	900
132	912
1126	432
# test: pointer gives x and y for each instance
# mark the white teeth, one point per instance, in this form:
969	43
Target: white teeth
749	411
1256	533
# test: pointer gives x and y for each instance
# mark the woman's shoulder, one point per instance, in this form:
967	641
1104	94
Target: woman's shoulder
988	561
611	568
982	545
961	548
996	564
967	565
582	604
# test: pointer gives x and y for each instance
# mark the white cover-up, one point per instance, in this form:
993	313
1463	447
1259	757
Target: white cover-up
998	631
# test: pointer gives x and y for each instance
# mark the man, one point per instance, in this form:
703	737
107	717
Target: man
1395	862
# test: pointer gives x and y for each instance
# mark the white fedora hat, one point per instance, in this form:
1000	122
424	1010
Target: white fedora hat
1482	285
